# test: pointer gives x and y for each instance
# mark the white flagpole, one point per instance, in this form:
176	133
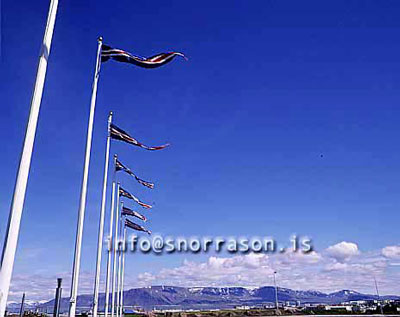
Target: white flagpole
82	203
122	276
119	270
14	220
101	223
108	277
115	255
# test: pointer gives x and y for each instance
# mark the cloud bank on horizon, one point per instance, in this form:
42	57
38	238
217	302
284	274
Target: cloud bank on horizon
340	266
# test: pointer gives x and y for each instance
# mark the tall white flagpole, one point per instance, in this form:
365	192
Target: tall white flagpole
14	220
101	222
82	203
122	276
115	255
108	277
119	266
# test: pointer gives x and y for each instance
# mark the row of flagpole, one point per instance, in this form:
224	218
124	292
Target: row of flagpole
104	53
116	133
118	254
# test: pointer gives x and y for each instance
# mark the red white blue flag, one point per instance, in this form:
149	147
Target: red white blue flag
129	212
155	61
135	226
124	193
121	167
121	135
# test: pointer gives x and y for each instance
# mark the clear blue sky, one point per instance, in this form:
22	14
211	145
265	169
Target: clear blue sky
284	120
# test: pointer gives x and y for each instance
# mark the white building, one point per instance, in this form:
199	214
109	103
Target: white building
339	307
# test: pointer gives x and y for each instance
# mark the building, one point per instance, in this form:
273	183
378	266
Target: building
339	307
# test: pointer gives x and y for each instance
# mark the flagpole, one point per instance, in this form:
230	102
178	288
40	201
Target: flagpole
115	254
14	220
101	223
119	270
82	203
122	276
108	278
119	266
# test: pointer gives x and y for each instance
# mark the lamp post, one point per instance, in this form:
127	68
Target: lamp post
57	300
21	310
276	294
379	298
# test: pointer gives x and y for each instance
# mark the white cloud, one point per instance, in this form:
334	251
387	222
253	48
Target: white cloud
41	286
340	266
391	252
250	269
343	250
336	266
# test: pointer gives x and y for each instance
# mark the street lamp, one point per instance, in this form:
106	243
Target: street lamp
276	294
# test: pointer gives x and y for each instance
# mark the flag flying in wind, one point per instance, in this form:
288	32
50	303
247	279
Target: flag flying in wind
155	61
121	167
128	195
119	134
129	212
135	226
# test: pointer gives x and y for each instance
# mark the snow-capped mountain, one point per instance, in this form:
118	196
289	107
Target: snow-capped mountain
213	297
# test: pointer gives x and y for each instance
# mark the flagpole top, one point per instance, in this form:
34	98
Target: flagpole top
100	39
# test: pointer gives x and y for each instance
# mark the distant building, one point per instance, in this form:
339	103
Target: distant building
243	307
358	302
338	307
313	305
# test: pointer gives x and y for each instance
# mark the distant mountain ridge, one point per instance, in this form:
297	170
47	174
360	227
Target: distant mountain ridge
214	297
28	305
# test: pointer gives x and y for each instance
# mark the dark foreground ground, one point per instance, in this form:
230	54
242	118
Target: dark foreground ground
238	313
256	313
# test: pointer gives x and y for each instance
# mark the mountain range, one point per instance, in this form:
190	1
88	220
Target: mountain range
171	297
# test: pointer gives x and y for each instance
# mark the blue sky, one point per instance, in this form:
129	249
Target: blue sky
284	120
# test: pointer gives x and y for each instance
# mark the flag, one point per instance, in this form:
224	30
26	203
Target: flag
119	134
121	167
128	195
155	61
135	226
129	212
